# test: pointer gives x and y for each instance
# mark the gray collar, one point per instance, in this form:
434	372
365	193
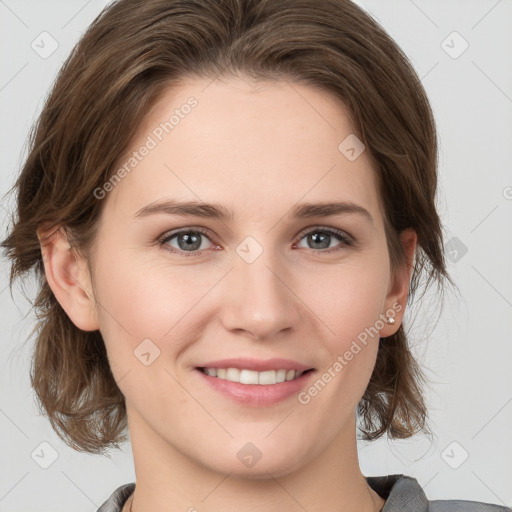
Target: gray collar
401	492
398	491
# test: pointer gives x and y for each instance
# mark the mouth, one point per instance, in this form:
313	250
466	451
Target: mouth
251	377
255	382
253	388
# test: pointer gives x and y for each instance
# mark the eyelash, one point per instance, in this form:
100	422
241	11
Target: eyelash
340	235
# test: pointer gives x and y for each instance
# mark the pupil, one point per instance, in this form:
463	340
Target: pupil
190	241
323	237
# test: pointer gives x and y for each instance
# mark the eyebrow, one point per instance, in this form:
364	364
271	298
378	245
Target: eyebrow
216	211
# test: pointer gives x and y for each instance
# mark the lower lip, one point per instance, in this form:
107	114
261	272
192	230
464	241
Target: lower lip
257	394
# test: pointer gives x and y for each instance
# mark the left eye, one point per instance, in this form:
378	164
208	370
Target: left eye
190	241
326	236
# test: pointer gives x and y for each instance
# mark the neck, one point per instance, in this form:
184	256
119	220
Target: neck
168	480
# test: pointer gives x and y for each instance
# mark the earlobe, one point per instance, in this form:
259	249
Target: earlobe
397	297
68	277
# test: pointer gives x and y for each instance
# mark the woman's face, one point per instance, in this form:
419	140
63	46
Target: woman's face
179	291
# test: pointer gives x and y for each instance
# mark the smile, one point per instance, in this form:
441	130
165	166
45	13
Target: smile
244	376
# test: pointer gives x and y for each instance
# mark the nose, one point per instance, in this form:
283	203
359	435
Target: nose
258	299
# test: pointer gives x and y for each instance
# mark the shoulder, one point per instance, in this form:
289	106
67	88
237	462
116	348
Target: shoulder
117	499
403	492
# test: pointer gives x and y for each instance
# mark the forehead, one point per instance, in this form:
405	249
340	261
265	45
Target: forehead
245	144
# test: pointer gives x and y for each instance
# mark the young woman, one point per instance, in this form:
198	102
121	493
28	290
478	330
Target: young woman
230	204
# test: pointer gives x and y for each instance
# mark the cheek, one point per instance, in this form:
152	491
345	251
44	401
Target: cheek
350	304
140	300
348	299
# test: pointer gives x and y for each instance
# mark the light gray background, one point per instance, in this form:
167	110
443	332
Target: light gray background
468	353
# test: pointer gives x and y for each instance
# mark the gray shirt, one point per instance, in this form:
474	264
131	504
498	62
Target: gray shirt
402	494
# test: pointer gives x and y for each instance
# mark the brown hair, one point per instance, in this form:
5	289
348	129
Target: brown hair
131	53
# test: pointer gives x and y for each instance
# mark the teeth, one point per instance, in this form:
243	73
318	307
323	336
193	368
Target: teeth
280	375
251	377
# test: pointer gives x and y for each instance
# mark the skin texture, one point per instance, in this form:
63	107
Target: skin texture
258	149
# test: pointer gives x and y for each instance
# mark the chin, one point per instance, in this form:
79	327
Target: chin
262	469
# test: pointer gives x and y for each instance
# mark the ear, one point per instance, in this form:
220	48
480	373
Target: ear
68	277
396	299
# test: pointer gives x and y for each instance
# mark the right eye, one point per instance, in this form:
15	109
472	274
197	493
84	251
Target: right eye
188	240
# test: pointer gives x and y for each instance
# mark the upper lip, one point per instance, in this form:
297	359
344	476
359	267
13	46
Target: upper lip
258	365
